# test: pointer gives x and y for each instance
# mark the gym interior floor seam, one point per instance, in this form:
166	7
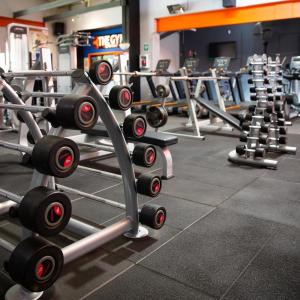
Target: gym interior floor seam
231	232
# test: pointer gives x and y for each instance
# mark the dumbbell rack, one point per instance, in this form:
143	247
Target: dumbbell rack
264	124
129	226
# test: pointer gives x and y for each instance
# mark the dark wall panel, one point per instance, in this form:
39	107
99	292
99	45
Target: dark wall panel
285	39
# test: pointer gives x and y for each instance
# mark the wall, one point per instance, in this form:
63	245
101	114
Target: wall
151	9
10	6
285	40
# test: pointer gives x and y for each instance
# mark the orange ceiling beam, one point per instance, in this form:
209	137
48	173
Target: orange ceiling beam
4	21
288	9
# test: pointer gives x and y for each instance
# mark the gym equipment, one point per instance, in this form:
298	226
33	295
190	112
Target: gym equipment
134	126
71	112
144	155
153	215
41	210
67	56
192	99
292	88
34	263
120	97
51	155
265	122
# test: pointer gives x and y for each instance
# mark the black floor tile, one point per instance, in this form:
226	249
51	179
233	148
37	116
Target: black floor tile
234	178
141	283
14	177
86	274
94	211
270	199
181	213
136	249
116	193
274	274
288	170
193	190
88	182
212	252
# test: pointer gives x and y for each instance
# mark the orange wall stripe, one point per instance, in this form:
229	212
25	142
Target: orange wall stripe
4	21
289	9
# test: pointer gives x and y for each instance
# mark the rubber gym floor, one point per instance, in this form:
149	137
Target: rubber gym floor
231	232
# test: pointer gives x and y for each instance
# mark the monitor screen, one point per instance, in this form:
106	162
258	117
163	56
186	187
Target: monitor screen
227	49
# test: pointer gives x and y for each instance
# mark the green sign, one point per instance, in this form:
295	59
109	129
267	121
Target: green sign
146	47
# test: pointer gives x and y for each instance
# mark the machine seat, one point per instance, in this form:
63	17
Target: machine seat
159	139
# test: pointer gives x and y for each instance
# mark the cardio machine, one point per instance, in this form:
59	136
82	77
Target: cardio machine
292	86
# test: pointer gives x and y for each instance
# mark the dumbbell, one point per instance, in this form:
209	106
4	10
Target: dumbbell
153	215
53	155
163	91
264	129
282	130
280	115
269	109
240	149
156	116
244	138
134	126
43	211
263	140
101	72
267	118
251	108
148	185
280	122
246	126
120	97
73	112
282	140
35	264
144	155
278	107
259	152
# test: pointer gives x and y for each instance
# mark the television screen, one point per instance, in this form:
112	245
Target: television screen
226	49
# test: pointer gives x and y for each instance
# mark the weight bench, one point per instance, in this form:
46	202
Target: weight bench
161	141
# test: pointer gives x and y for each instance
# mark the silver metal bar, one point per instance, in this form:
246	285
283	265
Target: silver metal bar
5	206
90	196
31	108
258	163
204	78
95	240
37	73
119	143
16	147
43	94
11	196
42	7
80	228
7	245
108	174
79	11
96	146
191	105
201	137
